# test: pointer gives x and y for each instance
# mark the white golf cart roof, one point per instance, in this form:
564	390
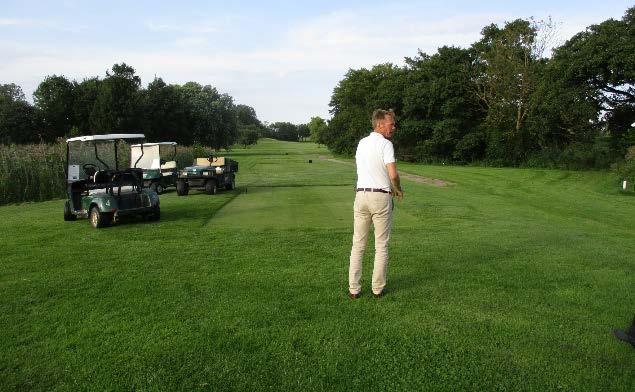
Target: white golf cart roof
112	136
155	144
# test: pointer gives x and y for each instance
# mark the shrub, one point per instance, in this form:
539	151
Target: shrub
626	170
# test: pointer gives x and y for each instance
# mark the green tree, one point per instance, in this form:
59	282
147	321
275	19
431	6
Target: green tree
317	130
599	65
248	135
440	112
507	62
284	131
18	119
303	131
354	99
85	96
246	115
54	98
212	116
249	126
164	114
117	107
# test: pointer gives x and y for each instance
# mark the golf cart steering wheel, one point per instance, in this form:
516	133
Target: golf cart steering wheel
211	158
90	169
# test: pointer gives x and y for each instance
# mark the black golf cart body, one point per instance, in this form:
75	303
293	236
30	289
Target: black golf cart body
209	174
102	188
158	173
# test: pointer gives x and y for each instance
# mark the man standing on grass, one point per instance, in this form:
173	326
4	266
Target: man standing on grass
377	182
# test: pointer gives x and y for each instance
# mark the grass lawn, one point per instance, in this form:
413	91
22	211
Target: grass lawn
512	279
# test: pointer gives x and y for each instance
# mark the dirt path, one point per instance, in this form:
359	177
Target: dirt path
406	176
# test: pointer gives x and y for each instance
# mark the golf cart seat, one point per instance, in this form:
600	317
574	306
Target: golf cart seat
215	161
168	168
100	182
101	176
218	161
169	165
127	177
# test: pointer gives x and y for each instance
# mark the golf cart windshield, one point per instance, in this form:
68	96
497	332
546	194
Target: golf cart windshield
89	154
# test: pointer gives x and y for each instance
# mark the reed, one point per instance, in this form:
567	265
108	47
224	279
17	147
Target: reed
35	172
32	172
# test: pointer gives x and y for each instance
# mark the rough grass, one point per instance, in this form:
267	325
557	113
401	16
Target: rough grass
511	280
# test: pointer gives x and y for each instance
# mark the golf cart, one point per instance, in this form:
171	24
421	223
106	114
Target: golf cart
157	173
100	187
209	174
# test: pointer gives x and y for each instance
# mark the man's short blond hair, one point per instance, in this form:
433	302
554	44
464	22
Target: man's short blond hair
380	114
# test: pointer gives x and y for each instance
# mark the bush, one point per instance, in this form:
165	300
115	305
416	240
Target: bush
584	156
626	170
548	158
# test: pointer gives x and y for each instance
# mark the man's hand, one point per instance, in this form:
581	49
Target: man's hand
394	180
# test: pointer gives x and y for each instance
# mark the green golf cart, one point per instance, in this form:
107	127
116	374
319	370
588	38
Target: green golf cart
100	187
209	174
158	173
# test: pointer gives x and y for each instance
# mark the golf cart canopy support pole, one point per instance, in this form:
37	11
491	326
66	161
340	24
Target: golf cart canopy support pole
99	159
140	156
68	157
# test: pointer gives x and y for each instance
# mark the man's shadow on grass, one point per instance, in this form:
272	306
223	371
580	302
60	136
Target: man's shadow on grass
401	283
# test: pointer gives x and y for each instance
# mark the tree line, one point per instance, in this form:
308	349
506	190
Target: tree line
501	101
186	114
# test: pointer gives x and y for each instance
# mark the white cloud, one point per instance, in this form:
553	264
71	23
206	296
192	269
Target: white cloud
191	41
12	22
201	28
45	24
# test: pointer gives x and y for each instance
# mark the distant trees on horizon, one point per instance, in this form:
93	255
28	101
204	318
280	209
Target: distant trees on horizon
188	114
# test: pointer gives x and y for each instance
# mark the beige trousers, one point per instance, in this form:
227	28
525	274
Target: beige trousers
375	208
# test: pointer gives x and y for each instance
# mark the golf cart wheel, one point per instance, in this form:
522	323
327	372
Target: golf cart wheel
99	219
181	188
157	187
155	215
231	185
210	187
68	213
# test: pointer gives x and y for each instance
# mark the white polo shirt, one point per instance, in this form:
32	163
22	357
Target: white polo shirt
374	152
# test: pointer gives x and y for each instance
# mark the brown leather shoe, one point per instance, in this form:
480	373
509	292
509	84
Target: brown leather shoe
353	296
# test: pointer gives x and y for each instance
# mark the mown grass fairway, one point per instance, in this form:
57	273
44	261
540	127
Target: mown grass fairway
511	279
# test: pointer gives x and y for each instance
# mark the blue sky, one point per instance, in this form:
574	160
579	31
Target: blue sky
283	58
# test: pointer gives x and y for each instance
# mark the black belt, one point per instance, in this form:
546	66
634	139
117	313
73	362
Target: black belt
372	190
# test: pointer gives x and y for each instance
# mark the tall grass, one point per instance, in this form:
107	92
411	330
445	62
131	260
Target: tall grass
35	172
